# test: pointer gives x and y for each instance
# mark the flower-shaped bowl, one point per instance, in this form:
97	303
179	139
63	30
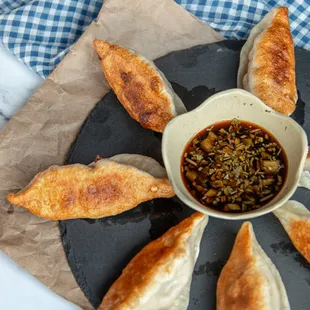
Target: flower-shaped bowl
227	105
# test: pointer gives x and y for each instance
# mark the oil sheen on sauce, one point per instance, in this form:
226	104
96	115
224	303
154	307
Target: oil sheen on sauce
234	166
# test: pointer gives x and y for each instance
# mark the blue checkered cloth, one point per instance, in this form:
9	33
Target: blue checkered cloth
40	32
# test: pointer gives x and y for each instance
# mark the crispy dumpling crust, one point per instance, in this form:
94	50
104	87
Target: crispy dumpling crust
249	280
270	63
295	218
138	85
77	191
300	235
237	289
151	266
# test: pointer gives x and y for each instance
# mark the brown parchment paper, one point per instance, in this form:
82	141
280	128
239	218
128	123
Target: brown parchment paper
41	133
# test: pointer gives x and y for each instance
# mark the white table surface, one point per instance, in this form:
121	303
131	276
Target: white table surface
18	289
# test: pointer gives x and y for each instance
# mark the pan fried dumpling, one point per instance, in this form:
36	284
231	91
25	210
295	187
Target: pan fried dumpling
107	187
304	180
295	218
249	280
159	277
139	85
267	62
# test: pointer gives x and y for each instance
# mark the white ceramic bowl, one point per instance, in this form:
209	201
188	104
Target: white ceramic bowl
226	105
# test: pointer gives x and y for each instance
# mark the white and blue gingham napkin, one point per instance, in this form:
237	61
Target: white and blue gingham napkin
40	32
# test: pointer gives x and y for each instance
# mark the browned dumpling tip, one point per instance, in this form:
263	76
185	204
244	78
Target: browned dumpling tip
295	218
107	187
140	87
249	280
267	62
159	277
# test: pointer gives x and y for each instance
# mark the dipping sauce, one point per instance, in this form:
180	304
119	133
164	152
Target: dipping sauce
234	166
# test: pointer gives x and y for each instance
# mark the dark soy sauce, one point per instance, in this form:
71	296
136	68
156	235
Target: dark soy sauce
234	166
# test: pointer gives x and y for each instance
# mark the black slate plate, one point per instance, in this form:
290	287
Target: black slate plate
98	250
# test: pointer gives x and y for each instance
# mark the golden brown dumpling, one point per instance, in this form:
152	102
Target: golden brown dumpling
249	280
140	87
295	218
159	277
267	62
107	187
